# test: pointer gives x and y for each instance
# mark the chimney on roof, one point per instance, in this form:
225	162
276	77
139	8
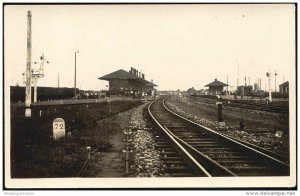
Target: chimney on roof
143	76
152	81
131	70
140	74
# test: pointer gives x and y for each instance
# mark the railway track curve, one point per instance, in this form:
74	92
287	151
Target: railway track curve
210	153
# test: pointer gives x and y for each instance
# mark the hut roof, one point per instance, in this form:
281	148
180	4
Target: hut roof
285	84
216	83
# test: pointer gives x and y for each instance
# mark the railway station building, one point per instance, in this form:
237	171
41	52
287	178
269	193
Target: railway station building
128	83
216	87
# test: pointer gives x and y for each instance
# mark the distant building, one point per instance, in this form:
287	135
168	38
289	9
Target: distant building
244	90
256	87
216	87
132	82
284	87
191	91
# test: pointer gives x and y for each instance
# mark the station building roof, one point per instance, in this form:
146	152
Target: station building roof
284	84
124	75
120	74
216	83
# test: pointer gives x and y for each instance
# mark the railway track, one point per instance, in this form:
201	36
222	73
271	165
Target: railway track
209	153
246	105
176	163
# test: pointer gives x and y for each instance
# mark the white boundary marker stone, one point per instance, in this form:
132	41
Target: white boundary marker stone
59	128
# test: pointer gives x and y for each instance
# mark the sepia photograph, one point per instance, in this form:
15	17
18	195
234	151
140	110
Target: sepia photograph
152	96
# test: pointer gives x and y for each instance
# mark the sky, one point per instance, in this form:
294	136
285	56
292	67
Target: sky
178	46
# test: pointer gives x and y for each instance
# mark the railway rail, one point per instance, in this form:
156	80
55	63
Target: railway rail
209	153
177	162
246	105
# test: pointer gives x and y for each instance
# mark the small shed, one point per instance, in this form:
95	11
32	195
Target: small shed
216	87
284	87
191	91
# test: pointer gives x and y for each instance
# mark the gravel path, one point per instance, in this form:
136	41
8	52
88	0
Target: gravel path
144	159
110	161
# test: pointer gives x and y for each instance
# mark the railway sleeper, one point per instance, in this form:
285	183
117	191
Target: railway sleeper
253	167
171	158
178	169
162	146
223	153
186	135
224	162
160	139
216	150
179	127
166	150
162	143
166	154
170	162
234	158
180	130
186	174
200	146
202	142
198	139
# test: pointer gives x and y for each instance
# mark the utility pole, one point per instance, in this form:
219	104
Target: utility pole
58	81
248	81
76	51
28	68
259	83
238	74
32	75
227	82
275	81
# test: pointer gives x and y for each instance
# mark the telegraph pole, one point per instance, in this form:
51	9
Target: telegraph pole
238	74
28	68
268	74
275	80
259	83
58	81
227	82
76	51
248	81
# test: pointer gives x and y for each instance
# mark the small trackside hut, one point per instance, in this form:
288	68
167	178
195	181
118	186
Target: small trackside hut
284	88
216	87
